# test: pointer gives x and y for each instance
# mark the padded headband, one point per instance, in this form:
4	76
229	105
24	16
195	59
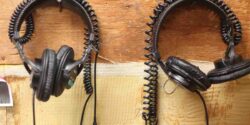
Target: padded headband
216	6
75	5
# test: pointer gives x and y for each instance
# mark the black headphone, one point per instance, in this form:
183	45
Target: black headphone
190	76
53	72
183	72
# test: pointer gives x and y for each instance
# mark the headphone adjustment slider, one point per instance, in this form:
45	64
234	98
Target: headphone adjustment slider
156	56
60	5
92	43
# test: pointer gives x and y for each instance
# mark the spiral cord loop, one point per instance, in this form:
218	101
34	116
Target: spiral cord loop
94	20
87	79
87	68
150	99
29	24
226	31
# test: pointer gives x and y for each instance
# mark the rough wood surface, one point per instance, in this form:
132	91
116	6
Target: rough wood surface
192	34
120	97
122	25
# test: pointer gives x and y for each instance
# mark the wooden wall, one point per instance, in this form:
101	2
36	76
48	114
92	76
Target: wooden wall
191	32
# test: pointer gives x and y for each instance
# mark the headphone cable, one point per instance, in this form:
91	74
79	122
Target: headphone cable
95	67
33	108
205	107
84	107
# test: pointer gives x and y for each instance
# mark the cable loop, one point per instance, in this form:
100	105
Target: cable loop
164	88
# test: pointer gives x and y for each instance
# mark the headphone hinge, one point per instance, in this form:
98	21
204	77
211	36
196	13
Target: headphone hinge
156	56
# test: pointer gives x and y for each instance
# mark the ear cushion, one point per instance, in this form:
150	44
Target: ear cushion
48	68
231	72
35	76
65	56
187	74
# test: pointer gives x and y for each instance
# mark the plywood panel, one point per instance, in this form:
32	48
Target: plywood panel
120	97
116	105
3	116
122	26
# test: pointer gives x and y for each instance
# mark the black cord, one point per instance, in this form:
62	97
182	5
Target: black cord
205	107
95	98
33	108
95	67
84	107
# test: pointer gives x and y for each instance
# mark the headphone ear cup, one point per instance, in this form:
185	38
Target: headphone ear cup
64	56
223	73
35	76
47	75
186	74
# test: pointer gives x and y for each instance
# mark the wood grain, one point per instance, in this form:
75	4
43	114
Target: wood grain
192	34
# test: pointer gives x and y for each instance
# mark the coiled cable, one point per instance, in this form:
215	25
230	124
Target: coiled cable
150	99
29	24
87	70
227	33
87	66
